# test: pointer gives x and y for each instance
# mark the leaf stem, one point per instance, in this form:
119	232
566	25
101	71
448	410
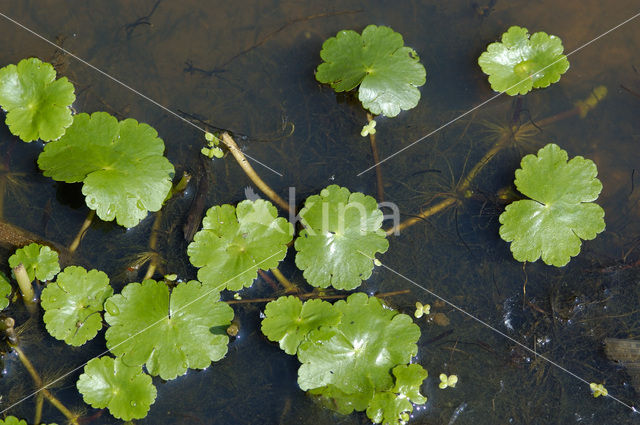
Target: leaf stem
37	417
465	183
153	246
315	295
73	419
251	173
376	161
87	222
290	288
26	289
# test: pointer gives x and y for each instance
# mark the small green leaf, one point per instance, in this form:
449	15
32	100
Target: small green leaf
388	72
12	420
339	401
5	291
168	333
125	390
37	105
519	63
358	354
341	236
390	407
235	242
289	321
560	212
73	304
40	261
120	163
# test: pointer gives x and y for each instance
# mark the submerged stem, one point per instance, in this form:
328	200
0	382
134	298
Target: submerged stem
376	161
73	419
289	287
251	173
315	295
87	222
153	246
37	417
26	288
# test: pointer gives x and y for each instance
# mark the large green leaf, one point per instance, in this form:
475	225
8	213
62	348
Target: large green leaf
40	261
121	165
168	333
388	72
288	321
235	242
73	304
37	104
341	236
357	355
125	390
12	420
5	291
560	211
393	407
519	63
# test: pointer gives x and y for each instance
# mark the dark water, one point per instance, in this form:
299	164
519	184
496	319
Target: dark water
248	67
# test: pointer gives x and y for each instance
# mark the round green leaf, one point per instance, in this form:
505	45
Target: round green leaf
519	63
168	333
560	212
12	420
288	320
120	163
388	72
40	261
409	379
73	304
341	236
387	407
5	291
125	390
237	241
358	354
37	105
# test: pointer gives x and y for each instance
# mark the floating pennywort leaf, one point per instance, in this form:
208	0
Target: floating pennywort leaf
168	332
235	242
387	72
125	390
39	261
37	105
342	234
560	212
5	291
73	304
519	63
120	164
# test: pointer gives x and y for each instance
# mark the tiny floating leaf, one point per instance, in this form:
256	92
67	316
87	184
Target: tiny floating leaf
598	390
40	261
342	234
73	304
120	164
235	242
387	72
519	63
125	390
560	212
37	105
168	332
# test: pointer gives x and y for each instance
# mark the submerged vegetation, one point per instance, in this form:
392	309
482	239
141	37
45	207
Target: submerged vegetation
355	354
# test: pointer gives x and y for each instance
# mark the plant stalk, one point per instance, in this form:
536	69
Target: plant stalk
37	417
290	288
153	245
376	161
87	222
73	419
314	295
26	288
251	173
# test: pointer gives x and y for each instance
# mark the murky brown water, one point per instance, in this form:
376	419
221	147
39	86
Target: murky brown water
248	67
